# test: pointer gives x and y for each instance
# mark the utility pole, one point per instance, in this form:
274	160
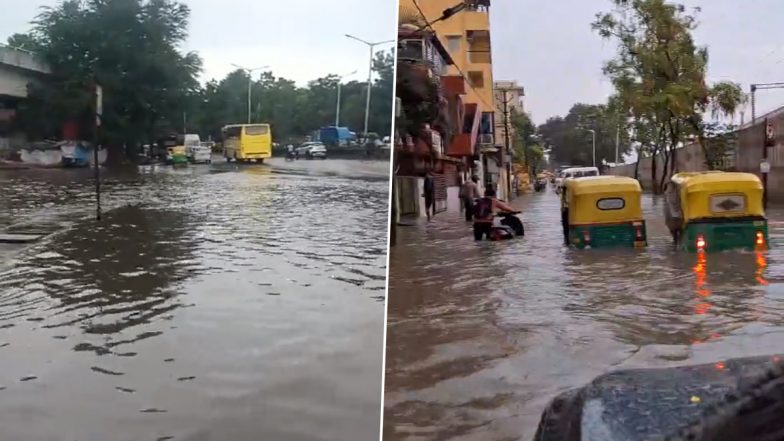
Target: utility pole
96	140
372	46
250	85
506	111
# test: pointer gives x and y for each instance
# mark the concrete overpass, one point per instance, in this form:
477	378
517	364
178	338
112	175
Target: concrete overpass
17	69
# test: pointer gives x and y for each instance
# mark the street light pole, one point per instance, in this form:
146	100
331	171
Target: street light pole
337	110
250	85
370	74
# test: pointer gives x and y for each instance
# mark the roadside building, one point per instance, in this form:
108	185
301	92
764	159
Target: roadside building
466	36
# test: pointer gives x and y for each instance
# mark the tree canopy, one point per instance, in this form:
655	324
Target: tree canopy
569	139
659	77
133	49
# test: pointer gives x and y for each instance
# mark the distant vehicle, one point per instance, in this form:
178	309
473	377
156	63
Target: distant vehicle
317	151
246	142
575	172
200	154
305	147
332	135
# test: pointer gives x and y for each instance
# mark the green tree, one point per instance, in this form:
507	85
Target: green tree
570	141
130	48
659	76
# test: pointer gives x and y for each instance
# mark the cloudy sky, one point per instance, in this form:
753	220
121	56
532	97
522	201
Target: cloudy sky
548	46
299	39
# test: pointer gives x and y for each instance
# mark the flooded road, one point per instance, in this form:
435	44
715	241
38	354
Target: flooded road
481	336
211	303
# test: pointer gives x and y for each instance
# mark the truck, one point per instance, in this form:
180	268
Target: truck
336	136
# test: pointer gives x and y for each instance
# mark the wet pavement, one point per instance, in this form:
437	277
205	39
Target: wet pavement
481	336
214	302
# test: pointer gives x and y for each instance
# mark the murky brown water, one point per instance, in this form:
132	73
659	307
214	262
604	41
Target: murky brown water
213	303
482	336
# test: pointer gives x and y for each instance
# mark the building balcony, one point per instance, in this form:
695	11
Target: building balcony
464	143
417	46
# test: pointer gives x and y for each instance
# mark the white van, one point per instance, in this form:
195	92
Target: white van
575	172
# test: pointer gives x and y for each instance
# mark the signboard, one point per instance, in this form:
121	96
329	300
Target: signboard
764	167
728	203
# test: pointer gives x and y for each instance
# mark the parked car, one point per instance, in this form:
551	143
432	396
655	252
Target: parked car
317	151
305	147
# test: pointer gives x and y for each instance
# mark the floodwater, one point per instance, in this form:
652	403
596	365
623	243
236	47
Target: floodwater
481	336
210	303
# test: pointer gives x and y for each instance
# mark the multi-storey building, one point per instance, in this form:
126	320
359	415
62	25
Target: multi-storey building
466	37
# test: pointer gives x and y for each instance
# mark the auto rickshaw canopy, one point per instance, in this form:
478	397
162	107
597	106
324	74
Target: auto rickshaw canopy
603	200
717	194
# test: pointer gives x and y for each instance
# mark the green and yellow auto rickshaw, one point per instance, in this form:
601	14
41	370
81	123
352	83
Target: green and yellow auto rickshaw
177	156
602	212
716	211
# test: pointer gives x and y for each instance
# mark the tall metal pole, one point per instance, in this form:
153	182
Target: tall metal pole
337	111
507	146
96	139
250	87
370	74
369	88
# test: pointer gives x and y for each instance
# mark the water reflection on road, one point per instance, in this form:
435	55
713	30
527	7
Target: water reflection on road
482	336
210	303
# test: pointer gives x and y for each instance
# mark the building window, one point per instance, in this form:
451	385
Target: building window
453	43
476	78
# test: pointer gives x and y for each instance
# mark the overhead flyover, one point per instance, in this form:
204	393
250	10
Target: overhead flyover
18	68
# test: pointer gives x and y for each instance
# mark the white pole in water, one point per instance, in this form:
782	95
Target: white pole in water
250	85
370	75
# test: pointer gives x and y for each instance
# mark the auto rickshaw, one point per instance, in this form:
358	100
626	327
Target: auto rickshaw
177	155
716	211
602	212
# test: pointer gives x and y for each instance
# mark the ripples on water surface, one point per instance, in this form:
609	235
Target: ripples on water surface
482	336
239	305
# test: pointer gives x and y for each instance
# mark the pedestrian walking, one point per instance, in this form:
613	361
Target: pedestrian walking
430	195
469	192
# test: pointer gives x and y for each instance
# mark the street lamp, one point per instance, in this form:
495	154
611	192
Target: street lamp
337	111
370	73
593	134
250	83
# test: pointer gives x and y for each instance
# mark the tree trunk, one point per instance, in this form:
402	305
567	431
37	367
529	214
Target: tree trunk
654	181
637	164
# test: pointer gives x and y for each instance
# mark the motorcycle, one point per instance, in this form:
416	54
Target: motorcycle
290	156
540	185
507	225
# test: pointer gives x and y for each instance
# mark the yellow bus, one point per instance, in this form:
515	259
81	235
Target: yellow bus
246	142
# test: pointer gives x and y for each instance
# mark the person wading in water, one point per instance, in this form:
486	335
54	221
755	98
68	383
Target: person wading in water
430	196
469	192
484	212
